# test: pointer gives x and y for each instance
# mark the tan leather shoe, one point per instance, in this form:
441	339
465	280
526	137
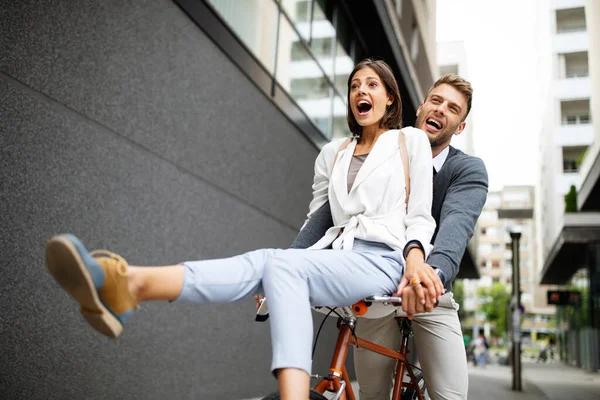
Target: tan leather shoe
96	280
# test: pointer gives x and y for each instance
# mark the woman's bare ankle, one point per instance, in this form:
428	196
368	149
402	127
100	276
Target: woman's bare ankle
155	283
135	283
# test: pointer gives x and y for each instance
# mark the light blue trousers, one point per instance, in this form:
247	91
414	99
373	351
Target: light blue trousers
293	280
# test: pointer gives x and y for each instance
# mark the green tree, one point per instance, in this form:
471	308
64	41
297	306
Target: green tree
571	200
494	302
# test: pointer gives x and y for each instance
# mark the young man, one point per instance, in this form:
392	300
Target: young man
459	192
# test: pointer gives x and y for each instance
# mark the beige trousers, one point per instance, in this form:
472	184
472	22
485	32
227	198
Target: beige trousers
439	345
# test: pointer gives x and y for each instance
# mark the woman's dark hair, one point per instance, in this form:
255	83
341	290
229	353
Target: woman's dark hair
392	119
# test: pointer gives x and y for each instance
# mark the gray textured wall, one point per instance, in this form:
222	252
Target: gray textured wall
123	123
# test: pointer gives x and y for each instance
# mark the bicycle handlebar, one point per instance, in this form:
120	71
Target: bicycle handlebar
359	308
384	299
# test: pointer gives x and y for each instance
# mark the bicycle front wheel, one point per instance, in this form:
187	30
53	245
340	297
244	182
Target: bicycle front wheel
312	396
411	394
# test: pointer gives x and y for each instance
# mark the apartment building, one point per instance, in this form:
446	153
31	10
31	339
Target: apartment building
570	143
569	130
171	130
494	258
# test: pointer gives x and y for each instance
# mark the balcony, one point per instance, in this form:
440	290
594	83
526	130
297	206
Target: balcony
569	252
573	88
575	135
570	42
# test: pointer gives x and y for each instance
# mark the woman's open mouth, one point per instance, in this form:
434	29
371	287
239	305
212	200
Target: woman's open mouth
363	107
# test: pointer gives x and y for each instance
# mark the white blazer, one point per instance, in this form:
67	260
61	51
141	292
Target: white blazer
375	208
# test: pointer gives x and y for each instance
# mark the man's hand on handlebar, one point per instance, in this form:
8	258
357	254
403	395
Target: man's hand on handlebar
420	287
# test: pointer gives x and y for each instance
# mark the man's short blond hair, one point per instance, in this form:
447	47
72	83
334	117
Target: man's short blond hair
459	83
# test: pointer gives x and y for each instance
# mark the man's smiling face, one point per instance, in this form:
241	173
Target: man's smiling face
442	114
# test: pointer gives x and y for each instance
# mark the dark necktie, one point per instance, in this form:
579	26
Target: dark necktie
434	172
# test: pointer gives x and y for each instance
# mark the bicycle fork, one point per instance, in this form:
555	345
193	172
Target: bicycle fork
338	377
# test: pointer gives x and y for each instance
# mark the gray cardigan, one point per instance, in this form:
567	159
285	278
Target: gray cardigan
459	193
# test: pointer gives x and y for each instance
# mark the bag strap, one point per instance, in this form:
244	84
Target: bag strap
404	157
343	146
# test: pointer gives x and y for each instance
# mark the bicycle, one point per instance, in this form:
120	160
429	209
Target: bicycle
338	380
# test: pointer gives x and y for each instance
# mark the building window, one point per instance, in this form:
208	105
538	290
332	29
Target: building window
570	20
572	158
575	112
256	22
305	50
575	64
577	119
321	48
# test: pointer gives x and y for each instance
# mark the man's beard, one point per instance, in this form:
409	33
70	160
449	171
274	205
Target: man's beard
441	138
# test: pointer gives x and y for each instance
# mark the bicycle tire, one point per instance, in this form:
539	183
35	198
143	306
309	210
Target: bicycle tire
313	395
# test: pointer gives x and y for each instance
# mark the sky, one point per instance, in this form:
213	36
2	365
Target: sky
508	73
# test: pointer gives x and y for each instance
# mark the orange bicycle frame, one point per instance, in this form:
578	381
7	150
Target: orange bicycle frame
338	379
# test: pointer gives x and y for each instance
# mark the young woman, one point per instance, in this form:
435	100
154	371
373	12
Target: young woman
361	255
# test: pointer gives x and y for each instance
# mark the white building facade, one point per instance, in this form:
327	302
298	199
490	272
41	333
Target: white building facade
568	129
571	241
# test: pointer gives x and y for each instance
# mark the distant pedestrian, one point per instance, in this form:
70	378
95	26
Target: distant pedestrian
481	349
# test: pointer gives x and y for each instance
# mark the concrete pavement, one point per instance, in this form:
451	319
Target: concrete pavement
551	381
495	382
559	381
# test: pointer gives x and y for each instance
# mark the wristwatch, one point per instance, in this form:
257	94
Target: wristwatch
440	274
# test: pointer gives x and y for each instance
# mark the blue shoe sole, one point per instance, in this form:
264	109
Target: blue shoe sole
79	275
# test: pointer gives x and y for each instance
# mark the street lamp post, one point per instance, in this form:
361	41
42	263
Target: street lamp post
516	312
517	215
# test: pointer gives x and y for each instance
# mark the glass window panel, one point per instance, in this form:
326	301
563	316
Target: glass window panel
300	13
255	23
321	48
301	10
343	68
309	88
321	39
302	78
340	123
